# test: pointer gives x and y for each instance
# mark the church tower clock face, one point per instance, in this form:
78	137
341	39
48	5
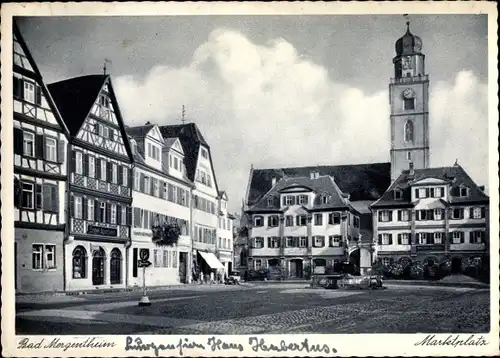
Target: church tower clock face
408	93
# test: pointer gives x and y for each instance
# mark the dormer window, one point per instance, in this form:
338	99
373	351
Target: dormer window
270	202
204	153
153	152
464	191
303	199
325	199
104	101
289	200
398	194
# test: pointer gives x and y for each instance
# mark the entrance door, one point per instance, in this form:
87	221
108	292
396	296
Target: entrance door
98	258
115	269
182	266
229	268
296	268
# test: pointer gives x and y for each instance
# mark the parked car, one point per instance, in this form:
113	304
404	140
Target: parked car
234	278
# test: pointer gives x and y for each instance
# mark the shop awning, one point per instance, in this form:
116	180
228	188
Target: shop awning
211	260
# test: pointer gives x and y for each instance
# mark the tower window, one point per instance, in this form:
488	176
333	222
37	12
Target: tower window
409	131
409	103
408	155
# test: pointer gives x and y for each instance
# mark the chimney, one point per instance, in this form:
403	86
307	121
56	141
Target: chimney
314	174
412	171
274	181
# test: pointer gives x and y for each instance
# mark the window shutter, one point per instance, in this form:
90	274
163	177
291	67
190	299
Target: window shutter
269	242
399	239
442	192
399	215
379	217
118	214
72	206
120	175
85	207
97	211
426	192
380	239
109	171
97	162
471	213
129	216
55	198
108	213
284	201
417	237
390	215
161	185
483	212
141	183
39	146
137	217
38	197
38	95
85	164
46	197
18	87
61	151
152	186
390	239
18	141
462	237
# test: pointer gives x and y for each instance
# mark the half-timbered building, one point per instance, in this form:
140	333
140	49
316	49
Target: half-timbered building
200	170
161	193
40	141
100	196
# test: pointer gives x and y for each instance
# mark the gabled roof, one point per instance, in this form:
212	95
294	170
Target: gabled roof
323	185
191	139
361	181
455	175
75	97
45	89
139	131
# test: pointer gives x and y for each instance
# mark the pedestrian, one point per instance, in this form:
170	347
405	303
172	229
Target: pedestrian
246	276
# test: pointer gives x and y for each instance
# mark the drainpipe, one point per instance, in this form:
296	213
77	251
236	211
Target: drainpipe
189	266
66	213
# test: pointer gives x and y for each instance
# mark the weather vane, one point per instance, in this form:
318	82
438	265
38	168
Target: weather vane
104	68
183	115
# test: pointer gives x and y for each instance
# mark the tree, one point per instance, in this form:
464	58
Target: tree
166	234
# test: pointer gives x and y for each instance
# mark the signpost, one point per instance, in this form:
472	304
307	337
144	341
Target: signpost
144	262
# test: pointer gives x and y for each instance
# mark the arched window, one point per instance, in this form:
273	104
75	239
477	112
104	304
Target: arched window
115	266
409	131
79	262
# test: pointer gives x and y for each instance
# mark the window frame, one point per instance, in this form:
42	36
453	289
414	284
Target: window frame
29	94
78	200
32	191
37	252
258	221
50	150
259	239
32	134
46	254
335	240
91	172
320	221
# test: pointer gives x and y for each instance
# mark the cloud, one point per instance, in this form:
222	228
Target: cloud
269	106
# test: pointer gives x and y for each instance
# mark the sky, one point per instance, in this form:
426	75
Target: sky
279	91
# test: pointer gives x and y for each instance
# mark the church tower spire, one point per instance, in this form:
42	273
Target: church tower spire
409	103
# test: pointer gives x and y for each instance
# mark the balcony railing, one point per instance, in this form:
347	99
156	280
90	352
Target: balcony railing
409	79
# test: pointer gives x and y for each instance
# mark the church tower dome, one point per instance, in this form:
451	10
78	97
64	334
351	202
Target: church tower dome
409	44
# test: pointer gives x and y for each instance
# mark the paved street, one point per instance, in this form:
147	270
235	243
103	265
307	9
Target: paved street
271	308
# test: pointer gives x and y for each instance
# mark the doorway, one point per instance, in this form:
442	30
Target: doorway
296	268
15	265
98	258
182	266
115	267
456	265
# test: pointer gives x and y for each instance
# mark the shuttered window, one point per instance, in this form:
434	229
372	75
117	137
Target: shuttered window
50	198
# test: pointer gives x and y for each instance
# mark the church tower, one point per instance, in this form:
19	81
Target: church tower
409	102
